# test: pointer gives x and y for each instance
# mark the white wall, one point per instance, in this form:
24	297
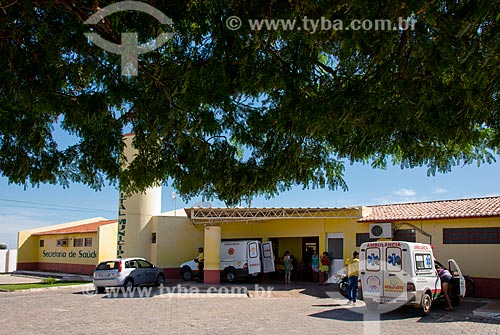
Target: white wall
8	260
3	260
12	262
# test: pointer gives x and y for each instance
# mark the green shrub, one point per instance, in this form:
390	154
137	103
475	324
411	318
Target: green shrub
49	281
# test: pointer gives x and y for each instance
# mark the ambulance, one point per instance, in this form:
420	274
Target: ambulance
238	259
396	273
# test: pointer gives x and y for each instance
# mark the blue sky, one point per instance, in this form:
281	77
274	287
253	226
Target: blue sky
22	209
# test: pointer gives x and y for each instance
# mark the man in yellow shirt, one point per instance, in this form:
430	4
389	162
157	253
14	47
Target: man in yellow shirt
201	264
352	275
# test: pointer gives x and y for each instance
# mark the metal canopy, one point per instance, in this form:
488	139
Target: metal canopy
200	215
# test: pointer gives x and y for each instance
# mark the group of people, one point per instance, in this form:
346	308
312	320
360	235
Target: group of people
320	267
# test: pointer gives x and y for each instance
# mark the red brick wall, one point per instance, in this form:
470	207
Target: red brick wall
57	267
172	273
487	288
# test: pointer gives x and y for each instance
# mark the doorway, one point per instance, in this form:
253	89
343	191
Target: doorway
335	249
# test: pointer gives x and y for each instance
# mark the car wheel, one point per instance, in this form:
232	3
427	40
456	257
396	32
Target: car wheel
425	306
187	274
160	280
100	289
129	283
231	276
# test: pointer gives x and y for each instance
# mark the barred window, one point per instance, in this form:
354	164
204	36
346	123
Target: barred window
42	243
78	242
408	235
471	235
88	241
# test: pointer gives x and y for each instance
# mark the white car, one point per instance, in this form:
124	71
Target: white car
127	272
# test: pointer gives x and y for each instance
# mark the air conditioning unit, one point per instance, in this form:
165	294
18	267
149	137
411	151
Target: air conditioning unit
381	230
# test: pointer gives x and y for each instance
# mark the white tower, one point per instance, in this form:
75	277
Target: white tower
135	213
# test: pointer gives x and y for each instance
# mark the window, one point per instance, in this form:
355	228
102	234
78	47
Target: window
423	261
62	242
88	241
108	266
394	259
373	259
471	235
78	242
311	246
362	238
153	238
42	243
132	264
144	264
252	247
266	251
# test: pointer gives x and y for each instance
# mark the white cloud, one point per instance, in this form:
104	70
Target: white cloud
405	192
440	190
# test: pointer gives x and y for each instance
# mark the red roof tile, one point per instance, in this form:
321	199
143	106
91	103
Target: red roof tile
444	209
84	228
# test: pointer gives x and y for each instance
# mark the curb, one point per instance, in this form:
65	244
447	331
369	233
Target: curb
51	288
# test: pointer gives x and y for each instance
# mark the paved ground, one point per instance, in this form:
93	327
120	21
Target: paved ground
200	309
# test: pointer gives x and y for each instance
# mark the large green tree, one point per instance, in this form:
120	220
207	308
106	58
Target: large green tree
237	113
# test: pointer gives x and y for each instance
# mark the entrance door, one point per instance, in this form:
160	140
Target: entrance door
335	249
267	257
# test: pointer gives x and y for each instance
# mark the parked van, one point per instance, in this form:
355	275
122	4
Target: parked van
396	272
238	259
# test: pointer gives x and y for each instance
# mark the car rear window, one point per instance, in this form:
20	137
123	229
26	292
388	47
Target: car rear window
108	266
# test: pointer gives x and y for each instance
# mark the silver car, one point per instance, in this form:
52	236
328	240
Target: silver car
127	272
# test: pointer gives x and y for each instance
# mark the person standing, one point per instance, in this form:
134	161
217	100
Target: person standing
325	268
315	265
288	267
352	275
446	278
201	264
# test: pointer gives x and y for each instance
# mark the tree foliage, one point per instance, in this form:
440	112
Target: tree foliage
237	113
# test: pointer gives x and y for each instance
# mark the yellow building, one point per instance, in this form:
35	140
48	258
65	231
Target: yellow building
467	230
74	247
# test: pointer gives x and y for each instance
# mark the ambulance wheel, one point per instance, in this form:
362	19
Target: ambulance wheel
231	276
425	306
